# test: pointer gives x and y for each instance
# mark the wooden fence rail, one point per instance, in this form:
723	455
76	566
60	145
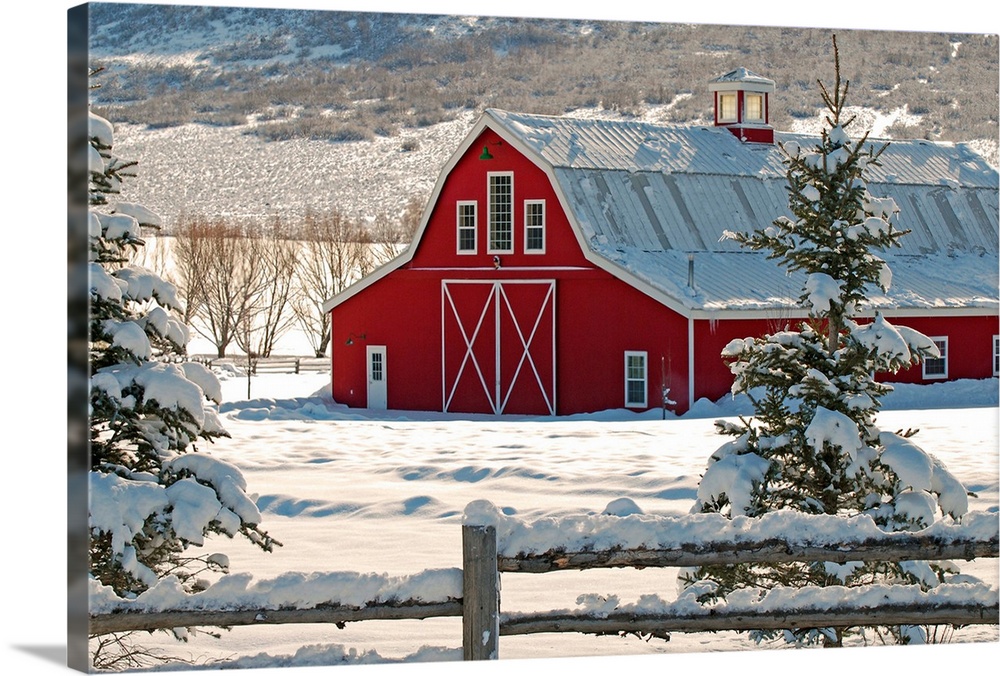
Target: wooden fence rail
903	547
339	615
277	364
724	620
483	622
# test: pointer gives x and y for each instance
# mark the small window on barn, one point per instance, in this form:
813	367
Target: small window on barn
501	213
635	379
996	355
754	107
376	367
466	220
534	226
727	107
937	367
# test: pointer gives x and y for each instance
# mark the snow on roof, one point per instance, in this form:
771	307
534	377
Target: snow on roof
744	75
630	145
748	281
647	196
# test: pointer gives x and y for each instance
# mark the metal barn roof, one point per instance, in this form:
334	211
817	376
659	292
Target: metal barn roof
649	197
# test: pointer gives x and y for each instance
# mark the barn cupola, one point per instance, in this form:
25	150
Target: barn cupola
741	104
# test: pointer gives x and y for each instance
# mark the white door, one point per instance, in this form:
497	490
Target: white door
376	377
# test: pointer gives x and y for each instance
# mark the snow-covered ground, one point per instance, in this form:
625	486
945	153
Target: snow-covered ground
353	490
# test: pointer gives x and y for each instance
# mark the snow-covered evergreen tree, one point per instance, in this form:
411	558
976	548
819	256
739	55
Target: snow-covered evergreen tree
813	444
152	497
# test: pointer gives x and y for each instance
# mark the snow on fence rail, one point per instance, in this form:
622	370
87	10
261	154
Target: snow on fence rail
278	364
292	598
494	543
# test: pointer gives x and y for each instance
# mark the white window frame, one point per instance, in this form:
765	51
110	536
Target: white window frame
996	355
722	107
461	225
942	343
644	379
490	201
529	225
746	107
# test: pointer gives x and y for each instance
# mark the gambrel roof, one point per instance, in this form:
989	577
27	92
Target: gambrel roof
654	200
649	203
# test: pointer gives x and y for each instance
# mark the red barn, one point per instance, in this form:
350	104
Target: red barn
572	265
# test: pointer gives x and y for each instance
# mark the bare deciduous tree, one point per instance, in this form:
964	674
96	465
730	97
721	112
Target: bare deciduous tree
248	284
268	313
389	237
409	221
228	278
334	253
189	258
383	238
238	281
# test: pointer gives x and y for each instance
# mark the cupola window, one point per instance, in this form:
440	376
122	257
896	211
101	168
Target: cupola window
727	107
754	107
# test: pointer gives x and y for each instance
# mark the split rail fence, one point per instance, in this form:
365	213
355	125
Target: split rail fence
483	622
270	364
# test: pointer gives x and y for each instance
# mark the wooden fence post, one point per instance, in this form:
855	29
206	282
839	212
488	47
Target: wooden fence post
480	593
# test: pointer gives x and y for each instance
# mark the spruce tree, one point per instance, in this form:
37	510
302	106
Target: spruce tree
153	498
813	444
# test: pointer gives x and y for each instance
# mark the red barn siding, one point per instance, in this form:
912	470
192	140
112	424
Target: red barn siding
600	318
754	134
713	379
597	319
468	182
970	346
397	312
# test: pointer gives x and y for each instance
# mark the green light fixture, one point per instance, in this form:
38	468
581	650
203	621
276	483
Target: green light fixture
486	154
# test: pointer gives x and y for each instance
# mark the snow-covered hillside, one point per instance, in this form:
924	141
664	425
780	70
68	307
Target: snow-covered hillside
221	171
203	84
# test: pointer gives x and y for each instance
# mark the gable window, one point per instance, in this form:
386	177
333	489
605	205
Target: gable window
996	355
754	107
466	222
937	368
501	213
534	226
727	107
635	379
